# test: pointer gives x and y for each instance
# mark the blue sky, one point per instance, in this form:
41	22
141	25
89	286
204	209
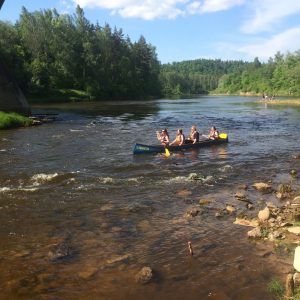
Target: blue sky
191	29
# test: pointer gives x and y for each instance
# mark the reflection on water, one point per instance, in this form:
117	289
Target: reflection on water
80	215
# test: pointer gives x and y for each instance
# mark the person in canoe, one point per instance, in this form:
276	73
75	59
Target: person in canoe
163	137
213	134
179	139
194	135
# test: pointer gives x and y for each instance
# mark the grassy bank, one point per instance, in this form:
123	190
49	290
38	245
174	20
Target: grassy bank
13	120
58	96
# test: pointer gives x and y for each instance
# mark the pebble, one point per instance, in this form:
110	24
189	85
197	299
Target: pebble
144	276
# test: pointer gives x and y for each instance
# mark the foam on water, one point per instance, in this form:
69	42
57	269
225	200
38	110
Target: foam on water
39	179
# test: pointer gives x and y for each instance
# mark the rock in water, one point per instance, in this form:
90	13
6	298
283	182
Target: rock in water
254	233
59	251
296	263
144	276
264	215
230	209
263	187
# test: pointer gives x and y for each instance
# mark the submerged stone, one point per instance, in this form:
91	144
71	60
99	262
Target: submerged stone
145	275
263	187
59	251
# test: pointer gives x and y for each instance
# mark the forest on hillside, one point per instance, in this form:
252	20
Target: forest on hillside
48	52
279	76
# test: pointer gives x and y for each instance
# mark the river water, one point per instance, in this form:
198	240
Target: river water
75	182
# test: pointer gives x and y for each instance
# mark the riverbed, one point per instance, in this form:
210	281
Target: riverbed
75	182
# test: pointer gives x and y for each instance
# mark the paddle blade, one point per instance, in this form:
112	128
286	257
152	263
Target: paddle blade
223	135
167	152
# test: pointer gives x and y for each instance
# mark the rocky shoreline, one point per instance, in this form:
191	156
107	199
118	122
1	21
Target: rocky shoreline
276	223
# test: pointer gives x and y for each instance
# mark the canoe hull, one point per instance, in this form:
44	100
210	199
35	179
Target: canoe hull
144	149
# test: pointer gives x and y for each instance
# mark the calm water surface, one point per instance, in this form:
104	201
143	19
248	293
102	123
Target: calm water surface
76	180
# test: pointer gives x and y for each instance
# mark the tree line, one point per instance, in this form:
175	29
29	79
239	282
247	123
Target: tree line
47	51
199	76
279	76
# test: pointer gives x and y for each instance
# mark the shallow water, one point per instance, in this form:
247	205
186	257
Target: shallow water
76	180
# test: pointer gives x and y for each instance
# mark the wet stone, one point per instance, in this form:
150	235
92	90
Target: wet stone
263	187
59	251
88	272
116	259
230	209
192	212
255	233
204	201
184	193
264	215
145	275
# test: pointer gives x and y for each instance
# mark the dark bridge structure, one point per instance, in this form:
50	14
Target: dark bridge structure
11	96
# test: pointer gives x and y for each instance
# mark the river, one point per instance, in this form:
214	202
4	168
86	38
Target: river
76	180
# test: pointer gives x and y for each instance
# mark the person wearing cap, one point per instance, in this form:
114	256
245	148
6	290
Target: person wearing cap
163	137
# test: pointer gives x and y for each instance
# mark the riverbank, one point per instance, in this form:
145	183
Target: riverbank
291	102
13	120
58	96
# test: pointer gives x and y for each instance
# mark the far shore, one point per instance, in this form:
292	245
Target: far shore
292	102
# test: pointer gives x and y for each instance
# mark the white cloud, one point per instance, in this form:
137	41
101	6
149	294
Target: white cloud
219	5
267	13
288	40
152	9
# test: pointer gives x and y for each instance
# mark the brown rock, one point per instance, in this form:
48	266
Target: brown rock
263	187
295	230
230	209
244	222
184	193
204	201
264	215
255	233
88	273
144	276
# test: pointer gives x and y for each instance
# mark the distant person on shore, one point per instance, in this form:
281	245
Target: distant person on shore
179	139
194	135
163	137
213	134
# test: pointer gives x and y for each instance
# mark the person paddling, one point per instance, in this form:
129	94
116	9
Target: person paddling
163	137
213	134
194	135
180	138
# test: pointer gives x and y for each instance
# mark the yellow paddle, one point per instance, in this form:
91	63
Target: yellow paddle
167	152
